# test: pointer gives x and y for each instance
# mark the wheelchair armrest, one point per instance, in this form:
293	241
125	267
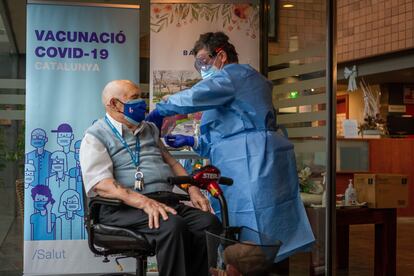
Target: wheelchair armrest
104	201
95	204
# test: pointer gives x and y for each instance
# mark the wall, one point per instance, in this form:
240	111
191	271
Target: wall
356	103
365	27
299	27
373	27
389	155
395	156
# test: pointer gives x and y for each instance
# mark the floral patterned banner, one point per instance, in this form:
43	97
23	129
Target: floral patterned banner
175	28
238	17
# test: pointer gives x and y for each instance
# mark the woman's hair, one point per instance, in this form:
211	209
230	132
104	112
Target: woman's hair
214	42
42	190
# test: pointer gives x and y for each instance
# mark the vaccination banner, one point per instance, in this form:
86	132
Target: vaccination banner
72	52
174	30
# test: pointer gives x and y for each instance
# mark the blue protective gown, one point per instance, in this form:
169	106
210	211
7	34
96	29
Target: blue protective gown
237	134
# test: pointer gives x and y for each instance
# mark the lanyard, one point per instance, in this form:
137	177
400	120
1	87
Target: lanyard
134	157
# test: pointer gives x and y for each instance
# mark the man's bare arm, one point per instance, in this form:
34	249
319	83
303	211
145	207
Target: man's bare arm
110	188
197	198
171	161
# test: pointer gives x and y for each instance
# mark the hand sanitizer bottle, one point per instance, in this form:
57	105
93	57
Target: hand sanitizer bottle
350	195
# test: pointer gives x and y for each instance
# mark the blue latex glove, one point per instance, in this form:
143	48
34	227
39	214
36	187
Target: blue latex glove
155	117
177	141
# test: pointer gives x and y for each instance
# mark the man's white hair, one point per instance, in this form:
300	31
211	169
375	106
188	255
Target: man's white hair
116	89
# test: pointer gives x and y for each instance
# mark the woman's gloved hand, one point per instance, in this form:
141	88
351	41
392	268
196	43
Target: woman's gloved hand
177	141
155	117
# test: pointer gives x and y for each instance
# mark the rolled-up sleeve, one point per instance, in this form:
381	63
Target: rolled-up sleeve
95	162
202	146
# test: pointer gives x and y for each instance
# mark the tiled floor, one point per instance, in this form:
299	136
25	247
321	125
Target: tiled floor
361	253
361	250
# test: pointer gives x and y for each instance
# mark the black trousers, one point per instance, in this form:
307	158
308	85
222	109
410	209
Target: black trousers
180	242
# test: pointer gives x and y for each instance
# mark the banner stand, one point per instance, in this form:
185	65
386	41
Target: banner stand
73	51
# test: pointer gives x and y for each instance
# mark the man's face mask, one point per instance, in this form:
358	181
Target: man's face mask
38	141
57	165
134	111
29	177
64	138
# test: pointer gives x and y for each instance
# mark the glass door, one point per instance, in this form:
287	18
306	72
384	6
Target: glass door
298	58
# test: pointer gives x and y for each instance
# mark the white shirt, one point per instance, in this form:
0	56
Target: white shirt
95	161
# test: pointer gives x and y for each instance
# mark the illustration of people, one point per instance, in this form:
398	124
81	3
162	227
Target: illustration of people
29	174
43	220
75	175
64	139
40	157
58	181
29	178
70	225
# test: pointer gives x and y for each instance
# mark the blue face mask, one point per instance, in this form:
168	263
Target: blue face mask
134	111
40	205
208	73
64	141
38	143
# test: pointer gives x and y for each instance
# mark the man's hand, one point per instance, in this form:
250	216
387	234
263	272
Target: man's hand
198	199
48	207
110	188
154	209
230	271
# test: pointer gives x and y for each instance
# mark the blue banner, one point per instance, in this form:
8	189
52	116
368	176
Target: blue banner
72	53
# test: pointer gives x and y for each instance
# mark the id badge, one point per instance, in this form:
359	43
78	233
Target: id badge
139	180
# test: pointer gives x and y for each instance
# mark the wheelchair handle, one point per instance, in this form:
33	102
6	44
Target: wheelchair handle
213	188
186	179
225	181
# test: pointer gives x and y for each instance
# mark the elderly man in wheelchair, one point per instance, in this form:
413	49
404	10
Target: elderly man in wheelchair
122	158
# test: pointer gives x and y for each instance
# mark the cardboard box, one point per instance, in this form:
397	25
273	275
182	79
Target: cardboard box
382	190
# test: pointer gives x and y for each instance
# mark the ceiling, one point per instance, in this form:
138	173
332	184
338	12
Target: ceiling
4	39
397	76
13	22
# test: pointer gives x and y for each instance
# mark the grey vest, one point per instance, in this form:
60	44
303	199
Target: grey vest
151	163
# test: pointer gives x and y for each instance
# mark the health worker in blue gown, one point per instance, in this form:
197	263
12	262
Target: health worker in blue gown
238	133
